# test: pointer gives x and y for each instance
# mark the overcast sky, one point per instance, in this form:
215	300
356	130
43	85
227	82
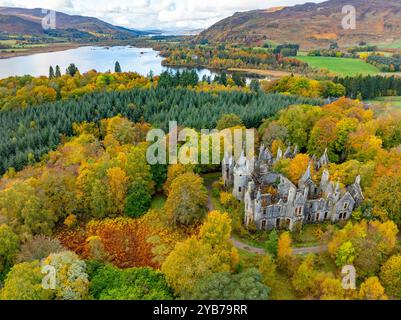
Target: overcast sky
160	14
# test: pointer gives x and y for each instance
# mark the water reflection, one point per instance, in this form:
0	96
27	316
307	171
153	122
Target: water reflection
102	59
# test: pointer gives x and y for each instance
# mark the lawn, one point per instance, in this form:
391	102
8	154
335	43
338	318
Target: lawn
340	66
158	202
394	45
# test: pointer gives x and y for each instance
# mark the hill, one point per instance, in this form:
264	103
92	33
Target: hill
311	25
29	22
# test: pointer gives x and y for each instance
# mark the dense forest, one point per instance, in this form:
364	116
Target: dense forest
386	64
86	208
29	133
369	87
226	56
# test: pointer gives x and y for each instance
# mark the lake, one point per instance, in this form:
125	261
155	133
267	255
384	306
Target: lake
102	59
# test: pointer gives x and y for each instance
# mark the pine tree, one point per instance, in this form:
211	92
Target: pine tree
223	79
51	72
117	67
58	72
72	69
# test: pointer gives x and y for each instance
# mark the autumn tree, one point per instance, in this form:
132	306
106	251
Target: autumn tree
25	211
216	231
185	205
173	172
323	136
390	275
299	121
332	289
118	182
284	246
284	251
365	244
38	248
71	279
385	194
295	168
363	145
273	131
189	262
95	249
24	282
311	283
228	121
345	254
371	289
304	278
124	241
9	247
267	269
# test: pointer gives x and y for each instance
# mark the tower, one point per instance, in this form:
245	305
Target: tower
241	177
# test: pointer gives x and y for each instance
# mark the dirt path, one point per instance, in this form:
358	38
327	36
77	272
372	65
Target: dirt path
210	205
296	251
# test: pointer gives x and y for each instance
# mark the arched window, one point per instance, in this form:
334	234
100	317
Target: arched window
264	224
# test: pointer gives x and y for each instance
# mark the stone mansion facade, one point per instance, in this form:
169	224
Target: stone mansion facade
273	201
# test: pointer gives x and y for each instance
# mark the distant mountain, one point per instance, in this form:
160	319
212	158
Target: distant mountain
311	24
29	22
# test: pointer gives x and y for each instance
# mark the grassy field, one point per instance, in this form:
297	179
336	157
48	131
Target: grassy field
390	101
385	105
340	66
394	45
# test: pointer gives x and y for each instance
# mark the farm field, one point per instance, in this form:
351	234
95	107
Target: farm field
340	66
385	105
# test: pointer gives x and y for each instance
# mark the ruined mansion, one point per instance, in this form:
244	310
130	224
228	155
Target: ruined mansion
273	201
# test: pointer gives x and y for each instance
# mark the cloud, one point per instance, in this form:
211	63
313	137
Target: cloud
162	14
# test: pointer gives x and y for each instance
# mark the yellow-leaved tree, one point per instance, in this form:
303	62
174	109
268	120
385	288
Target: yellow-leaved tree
118	184
372	289
198	257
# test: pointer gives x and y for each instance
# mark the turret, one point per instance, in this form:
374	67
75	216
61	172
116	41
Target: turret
296	150
241	177
287	153
325	179
279	154
291	194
